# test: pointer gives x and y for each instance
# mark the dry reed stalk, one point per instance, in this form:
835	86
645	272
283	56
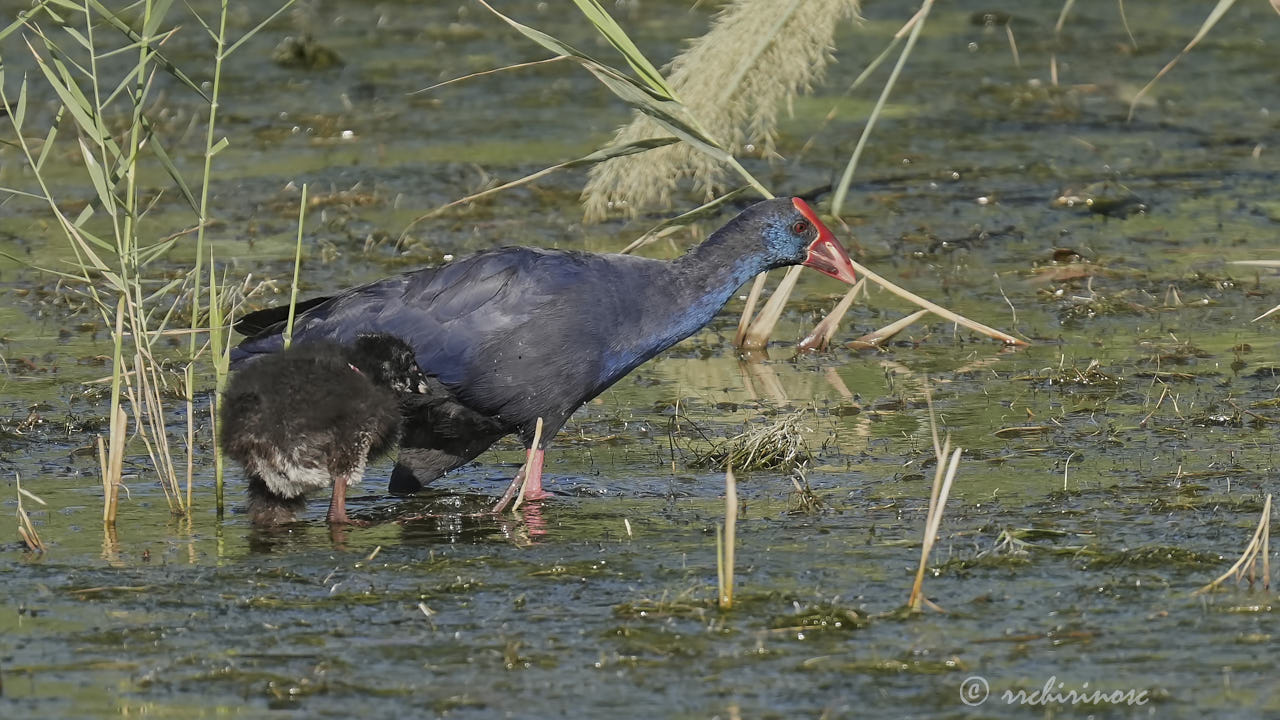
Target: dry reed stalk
188	390
1215	15
111	462
842	187
1259	545
1260	263
297	269
26	529
149	415
757	56
948	463
726	538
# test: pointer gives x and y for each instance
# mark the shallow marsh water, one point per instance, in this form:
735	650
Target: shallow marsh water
1155	391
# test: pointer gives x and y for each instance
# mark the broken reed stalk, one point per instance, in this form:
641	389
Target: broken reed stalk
111	464
1215	15
757	335
220	351
1259	545
297	267
25	527
528	458
749	309
937	309
726	538
188	377
937	506
948	463
820	337
842	188
876	338
1260	263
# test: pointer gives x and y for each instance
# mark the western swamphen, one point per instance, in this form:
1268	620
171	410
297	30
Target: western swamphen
517	334
309	418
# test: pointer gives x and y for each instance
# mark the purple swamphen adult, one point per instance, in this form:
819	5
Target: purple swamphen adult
309	417
512	335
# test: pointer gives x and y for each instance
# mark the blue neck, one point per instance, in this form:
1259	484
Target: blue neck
681	299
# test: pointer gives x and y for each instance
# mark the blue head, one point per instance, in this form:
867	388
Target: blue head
786	231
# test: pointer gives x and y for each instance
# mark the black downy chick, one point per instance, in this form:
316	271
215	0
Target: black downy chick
311	416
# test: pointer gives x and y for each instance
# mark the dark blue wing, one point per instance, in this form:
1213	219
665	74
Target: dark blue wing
511	332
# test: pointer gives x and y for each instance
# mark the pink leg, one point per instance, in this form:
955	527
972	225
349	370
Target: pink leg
338	504
533	486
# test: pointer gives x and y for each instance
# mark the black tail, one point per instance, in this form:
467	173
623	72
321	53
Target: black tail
265	319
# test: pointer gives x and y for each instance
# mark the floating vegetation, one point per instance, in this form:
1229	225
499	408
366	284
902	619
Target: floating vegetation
1013	547
1091	375
1096	305
822	616
304	53
1103	198
1022	431
775	445
684	605
1155	557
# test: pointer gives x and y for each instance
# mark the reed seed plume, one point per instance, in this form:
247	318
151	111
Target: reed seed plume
757	56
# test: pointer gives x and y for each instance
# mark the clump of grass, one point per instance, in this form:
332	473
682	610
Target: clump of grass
1247	566
116	250
775	445
758	55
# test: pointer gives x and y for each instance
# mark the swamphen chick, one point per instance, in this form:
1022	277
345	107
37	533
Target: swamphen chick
518	334
310	417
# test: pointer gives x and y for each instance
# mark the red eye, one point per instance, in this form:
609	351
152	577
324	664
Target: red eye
800	227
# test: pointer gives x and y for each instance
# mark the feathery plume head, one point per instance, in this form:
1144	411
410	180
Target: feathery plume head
757	56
